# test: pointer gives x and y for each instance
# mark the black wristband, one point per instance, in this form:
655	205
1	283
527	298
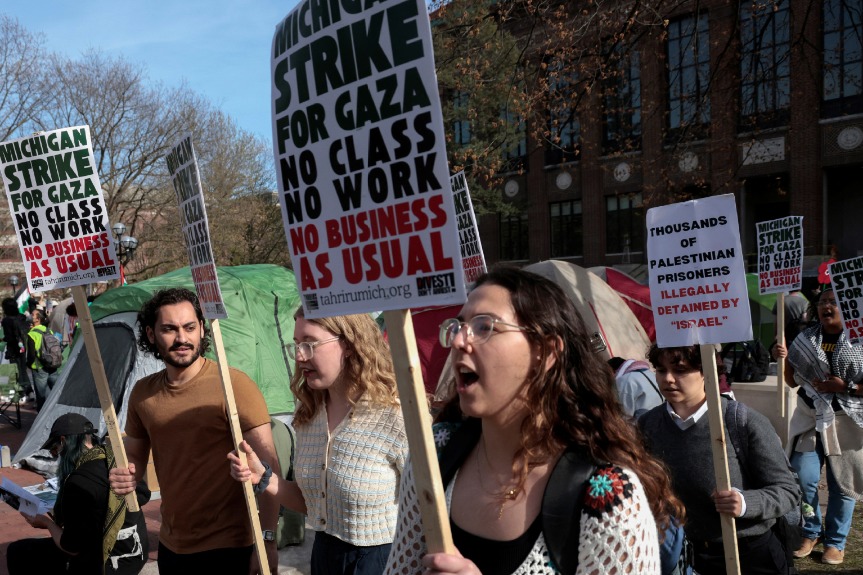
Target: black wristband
261	486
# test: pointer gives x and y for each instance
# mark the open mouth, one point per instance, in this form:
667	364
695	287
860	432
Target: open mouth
467	377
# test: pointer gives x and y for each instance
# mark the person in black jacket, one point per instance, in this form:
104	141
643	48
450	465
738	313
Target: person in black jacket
15	328
91	531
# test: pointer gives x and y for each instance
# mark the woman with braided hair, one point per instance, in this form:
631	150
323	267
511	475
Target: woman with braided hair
91	531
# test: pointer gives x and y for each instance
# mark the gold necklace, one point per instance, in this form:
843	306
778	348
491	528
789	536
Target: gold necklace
508	495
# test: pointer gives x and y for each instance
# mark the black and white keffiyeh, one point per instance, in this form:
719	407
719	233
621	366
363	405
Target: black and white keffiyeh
810	364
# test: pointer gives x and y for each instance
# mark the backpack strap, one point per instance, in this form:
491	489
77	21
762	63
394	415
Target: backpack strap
653	385
458	447
736	419
561	508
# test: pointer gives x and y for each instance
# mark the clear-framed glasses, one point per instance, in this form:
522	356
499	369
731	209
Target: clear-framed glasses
826	302
307	348
479	329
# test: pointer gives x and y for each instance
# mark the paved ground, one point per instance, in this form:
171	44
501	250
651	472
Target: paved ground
292	560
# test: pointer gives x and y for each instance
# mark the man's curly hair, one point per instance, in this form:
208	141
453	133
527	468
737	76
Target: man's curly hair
150	310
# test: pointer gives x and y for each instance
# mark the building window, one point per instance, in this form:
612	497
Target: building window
621	103
515	145
624	224
564	130
688	75
765	64
514	237
843	58
461	124
566	229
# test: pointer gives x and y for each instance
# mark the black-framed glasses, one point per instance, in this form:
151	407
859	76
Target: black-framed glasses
307	348
478	329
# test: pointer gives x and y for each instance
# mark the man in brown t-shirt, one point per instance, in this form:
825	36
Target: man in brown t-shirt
180	413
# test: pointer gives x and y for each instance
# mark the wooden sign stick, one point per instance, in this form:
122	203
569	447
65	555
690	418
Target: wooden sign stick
85	322
780	365
415	409
720	456
237	437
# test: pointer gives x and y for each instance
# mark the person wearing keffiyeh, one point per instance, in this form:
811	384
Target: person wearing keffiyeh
91	532
827	425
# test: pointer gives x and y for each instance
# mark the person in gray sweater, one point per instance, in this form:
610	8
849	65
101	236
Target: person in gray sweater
763	486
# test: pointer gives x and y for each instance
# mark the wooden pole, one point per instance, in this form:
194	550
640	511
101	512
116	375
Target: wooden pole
780	365
85	322
720	456
415	409
237	437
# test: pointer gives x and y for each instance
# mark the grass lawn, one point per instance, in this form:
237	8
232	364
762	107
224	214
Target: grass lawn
853	552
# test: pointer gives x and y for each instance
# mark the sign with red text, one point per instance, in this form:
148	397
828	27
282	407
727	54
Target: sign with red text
780	254
846	277
57	206
697	274
472	258
183	167
359	149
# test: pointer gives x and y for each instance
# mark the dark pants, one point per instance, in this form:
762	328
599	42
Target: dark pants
332	556
39	555
760	554
231	560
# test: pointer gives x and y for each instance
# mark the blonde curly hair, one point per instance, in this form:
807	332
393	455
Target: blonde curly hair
367	372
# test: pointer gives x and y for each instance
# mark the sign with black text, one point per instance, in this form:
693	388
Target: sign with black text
472	258
360	154
697	274
183	167
780	254
846	277
56	202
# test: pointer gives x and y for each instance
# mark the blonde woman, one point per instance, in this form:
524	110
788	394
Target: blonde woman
351	444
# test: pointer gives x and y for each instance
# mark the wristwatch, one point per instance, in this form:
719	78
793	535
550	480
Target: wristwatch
851	388
269	535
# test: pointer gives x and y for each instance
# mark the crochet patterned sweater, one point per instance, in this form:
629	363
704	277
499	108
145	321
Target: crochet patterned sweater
618	534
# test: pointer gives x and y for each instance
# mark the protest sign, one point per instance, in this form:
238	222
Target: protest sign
364	188
183	167
697	274
58	210
61	223
846	277
698	286
472	258
360	155
780	254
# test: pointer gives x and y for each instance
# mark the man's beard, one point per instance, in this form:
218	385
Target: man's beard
184	363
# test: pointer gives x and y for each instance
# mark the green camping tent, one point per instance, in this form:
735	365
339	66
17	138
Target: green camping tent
260	300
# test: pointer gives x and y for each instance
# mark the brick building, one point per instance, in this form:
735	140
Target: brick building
761	99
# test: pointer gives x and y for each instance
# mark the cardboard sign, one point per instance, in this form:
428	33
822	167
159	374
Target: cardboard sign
472	258
697	274
846	277
56	203
360	154
183	167
780	255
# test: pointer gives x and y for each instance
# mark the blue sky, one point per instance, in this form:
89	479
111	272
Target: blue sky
221	47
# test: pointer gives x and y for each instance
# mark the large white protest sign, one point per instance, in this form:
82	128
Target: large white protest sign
780	254
183	167
360	154
472	258
697	274
846	277
56	203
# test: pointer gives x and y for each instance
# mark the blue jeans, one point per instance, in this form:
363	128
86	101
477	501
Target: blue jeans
840	507
43	383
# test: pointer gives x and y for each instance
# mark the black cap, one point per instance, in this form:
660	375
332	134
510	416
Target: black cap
68	424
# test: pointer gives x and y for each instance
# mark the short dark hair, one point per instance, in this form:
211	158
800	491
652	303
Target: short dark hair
40	315
150	311
10	306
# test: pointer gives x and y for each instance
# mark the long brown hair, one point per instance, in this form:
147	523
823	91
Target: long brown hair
367	371
575	401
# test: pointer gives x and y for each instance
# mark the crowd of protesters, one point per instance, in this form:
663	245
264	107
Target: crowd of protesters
550	462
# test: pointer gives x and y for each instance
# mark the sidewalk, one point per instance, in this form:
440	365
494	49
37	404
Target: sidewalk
292	560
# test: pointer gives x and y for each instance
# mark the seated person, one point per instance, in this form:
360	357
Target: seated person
91	531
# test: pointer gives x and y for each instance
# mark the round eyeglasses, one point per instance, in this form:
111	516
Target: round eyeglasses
479	329
307	348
